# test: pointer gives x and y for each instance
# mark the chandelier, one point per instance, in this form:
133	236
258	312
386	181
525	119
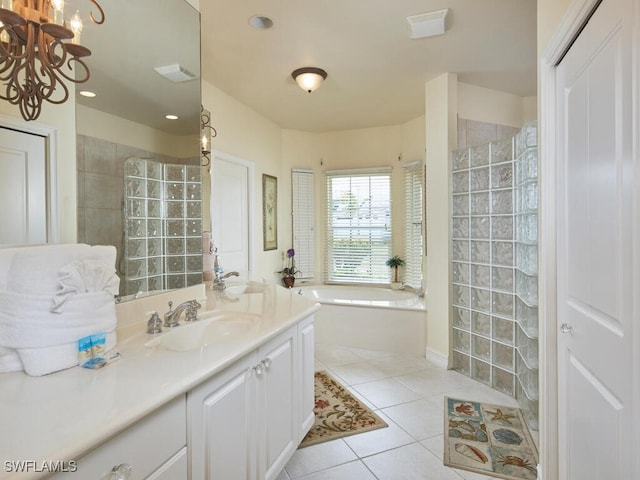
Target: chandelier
39	51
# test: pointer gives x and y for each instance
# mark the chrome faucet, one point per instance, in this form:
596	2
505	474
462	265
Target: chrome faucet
218	281
190	307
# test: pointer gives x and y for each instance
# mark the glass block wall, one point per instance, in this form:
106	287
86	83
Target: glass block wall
163	234
489	289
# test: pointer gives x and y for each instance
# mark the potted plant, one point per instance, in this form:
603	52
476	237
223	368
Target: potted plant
288	273
395	262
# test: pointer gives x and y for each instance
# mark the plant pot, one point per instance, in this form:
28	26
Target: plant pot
396	285
288	281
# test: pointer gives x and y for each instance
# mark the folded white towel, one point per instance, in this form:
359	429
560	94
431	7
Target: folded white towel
35	269
10	360
42	361
83	276
26	322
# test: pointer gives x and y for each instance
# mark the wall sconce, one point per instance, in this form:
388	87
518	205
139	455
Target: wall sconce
35	60
309	78
207	132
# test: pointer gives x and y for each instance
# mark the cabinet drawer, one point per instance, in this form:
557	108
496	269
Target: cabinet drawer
147	445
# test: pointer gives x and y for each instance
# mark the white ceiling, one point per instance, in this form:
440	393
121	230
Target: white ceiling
376	72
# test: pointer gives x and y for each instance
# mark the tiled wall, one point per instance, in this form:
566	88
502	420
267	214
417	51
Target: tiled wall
488	285
100	168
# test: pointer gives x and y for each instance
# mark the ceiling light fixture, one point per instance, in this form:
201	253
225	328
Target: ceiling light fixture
309	78
260	22
171	116
35	60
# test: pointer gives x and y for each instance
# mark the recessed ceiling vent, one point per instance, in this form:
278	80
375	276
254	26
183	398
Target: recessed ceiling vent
428	24
176	73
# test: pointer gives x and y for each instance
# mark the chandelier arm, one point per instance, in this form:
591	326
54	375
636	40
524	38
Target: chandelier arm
93	19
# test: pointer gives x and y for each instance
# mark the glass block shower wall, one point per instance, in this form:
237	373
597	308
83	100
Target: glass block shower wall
494	287
163	234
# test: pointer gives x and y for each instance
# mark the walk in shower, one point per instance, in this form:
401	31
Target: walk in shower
494	266
163	226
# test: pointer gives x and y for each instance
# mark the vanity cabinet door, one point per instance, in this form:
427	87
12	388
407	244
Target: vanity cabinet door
149	446
278	403
306	350
222	424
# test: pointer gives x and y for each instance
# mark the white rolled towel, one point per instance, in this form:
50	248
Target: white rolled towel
46	342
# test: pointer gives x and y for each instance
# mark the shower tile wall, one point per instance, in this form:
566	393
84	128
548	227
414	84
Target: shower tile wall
489	289
100	169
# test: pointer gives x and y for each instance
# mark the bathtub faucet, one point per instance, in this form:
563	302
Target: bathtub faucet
419	292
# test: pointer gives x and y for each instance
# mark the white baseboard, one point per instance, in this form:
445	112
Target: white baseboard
438	359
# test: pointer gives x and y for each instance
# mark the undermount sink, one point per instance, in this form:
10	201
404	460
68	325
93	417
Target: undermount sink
220	327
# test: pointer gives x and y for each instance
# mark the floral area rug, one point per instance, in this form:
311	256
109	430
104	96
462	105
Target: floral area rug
488	439
338	413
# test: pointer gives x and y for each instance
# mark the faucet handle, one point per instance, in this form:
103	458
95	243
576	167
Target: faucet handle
191	313
154	325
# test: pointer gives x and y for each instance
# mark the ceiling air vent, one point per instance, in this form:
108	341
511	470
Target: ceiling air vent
428	24
176	73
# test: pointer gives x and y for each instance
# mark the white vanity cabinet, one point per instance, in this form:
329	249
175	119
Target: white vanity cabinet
245	423
154	448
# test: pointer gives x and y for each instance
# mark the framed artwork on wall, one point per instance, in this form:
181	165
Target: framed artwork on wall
269	212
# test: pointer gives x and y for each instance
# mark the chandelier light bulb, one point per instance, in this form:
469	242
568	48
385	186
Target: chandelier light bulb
76	27
57	11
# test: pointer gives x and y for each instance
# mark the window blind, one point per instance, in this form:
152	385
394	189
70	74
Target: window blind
414	216
358	226
303	219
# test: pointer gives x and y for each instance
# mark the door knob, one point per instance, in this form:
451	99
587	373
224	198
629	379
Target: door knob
566	328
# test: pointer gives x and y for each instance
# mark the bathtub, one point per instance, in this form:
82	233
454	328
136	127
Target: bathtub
374	318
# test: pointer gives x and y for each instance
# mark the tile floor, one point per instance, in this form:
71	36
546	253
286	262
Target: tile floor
408	393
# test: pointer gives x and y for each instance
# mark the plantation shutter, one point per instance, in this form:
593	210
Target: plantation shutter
359	225
303	221
414	217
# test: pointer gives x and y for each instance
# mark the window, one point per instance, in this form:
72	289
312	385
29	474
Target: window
414	201
359	225
303	221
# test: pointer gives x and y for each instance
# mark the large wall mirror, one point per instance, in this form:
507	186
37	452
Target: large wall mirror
139	175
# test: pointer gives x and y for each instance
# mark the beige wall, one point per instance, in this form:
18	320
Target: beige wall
245	134
441	99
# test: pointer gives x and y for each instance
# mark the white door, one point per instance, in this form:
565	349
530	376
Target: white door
595	263
230	205
23	188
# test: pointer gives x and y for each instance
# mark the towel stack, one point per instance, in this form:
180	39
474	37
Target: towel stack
51	296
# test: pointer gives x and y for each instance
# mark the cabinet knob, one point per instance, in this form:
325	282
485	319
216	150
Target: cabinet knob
121	472
258	369
266	362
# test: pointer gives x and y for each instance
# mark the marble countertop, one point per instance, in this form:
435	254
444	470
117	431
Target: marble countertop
61	416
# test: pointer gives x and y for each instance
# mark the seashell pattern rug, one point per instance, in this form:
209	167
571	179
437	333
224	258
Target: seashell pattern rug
337	413
489	439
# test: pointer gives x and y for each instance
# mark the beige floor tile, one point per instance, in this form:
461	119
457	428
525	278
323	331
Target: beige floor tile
349	471
411	462
386	392
319	457
376	441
